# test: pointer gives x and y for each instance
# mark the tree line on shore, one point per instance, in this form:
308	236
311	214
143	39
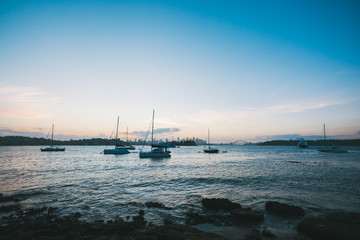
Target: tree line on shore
33	141
330	142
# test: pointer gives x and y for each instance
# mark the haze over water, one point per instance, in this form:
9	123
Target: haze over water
106	186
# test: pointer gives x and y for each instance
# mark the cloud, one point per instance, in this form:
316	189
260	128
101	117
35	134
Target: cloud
24	102
303	106
156	131
212	116
38	134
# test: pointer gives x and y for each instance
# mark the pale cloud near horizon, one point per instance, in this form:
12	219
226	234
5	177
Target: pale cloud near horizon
213	116
19	102
302	106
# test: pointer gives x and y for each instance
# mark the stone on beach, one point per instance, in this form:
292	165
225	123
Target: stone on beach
219	204
247	215
156	205
336	226
284	209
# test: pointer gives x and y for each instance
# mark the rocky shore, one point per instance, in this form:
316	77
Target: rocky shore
218	219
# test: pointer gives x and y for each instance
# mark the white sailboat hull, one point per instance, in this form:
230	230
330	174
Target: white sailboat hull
116	151
52	149
333	150
154	154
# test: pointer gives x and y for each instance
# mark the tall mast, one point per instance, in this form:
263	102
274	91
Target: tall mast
324	132
152	129
117	128
127	132
209	137
52	133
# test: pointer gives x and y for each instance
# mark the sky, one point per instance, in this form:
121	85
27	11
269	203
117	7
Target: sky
246	70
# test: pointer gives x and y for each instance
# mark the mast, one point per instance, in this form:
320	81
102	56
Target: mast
127	132
209	137
117	128
52	133
324	133
152	129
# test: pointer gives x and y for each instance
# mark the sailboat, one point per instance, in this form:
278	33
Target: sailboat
303	143
128	147
119	149
332	149
51	148
157	151
210	149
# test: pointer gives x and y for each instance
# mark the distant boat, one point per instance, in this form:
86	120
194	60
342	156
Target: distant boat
119	148
128	147
52	148
303	143
332	149
157	151
166	145
210	149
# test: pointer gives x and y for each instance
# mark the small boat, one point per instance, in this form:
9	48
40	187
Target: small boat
157	151
166	145
128	147
210	149
303	143
332	149
52	148
119	148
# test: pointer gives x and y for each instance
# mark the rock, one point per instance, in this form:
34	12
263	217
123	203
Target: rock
7	198
176	232
284	209
168	222
156	205
247	215
254	235
339	226
9	208
219	204
266	233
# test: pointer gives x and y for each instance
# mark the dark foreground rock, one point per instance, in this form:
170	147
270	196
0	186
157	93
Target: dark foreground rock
284	209
220	204
337	226
175	232
156	205
247	215
45	223
4	198
10	208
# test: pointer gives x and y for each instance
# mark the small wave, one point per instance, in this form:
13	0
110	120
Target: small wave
130	204
30	193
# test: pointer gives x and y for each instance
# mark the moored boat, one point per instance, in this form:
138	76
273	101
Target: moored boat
331	149
52	148
303	143
119	148
157	151
210	149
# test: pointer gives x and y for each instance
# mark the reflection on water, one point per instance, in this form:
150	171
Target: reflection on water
105	186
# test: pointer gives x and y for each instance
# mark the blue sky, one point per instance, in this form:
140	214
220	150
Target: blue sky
244	69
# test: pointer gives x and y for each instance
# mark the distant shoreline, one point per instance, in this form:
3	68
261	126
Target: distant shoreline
330	142
34	141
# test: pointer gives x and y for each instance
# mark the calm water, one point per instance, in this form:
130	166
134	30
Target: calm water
105	186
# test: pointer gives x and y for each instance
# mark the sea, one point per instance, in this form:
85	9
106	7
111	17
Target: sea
105	187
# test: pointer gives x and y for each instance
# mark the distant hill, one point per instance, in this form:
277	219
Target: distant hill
33	141
351	142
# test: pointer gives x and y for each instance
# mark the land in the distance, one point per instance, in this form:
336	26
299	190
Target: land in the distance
33	141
